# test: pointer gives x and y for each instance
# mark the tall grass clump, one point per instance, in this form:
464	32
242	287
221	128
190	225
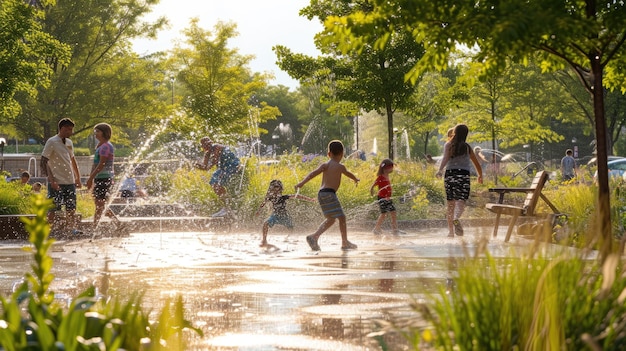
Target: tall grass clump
14	197
415	187
618	209
32	319
577	201
563	303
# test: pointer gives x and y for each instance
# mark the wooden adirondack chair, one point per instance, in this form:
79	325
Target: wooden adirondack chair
533	193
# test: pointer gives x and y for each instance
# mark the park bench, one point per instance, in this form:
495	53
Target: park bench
533	194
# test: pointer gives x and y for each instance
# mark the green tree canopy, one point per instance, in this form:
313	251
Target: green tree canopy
292	112
26	53
371	78
104	81
220	85
587	36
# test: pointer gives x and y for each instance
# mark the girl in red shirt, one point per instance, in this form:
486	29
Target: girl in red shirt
384	197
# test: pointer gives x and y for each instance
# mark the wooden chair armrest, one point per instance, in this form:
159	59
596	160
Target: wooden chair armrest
510	190
503	191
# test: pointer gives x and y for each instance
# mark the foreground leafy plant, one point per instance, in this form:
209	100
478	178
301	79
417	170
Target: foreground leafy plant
32	320
565	303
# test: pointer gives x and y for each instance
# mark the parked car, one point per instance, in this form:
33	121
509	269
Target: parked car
617	168
592	162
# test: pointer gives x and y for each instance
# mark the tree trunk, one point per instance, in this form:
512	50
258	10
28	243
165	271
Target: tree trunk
390	131
426	139
494	160
603	206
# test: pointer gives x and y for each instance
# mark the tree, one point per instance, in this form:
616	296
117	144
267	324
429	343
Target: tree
516	107
428	107
221	88
615	115
104	81
587	35
323	125
291	110
371	79
26	52
538	103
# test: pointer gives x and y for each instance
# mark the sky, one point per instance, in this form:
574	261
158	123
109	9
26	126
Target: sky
261	24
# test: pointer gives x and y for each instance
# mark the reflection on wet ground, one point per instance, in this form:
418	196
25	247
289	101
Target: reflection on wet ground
286	298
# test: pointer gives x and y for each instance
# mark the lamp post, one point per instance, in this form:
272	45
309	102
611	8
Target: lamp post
574	140
2	143
274	141
395	142
172	81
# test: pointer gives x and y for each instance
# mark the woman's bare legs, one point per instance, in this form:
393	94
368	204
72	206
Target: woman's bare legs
451	204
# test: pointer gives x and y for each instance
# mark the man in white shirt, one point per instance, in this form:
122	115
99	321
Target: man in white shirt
59	164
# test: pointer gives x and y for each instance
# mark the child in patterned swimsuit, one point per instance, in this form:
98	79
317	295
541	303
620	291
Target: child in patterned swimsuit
279	208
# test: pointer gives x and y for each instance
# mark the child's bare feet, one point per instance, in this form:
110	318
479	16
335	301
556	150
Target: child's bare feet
348	246
312	241
263	244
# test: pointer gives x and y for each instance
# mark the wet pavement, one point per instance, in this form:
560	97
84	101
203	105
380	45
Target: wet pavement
285	297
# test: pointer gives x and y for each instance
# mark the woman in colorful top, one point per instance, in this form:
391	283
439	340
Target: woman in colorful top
101	176
384	197
457	160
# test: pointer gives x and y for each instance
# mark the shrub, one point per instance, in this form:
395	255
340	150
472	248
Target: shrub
576	200
158	183
618	208
82	151
565	303
14	197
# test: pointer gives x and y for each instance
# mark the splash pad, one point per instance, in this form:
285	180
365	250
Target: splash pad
247	298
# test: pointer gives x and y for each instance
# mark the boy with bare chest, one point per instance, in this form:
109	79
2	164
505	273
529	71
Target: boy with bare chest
331	207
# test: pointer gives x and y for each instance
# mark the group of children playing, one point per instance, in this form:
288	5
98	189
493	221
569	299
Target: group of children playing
455	166
332	172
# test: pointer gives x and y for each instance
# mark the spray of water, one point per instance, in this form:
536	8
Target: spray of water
405	142
138	155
